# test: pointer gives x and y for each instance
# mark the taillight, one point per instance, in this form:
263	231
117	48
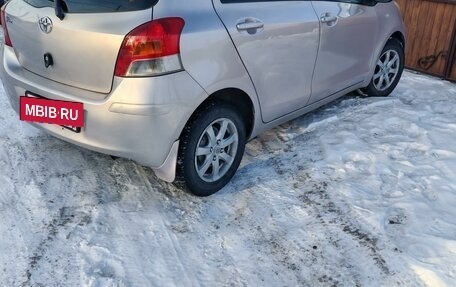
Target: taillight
151	49
5	29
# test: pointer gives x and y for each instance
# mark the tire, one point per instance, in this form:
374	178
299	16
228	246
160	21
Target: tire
388	70
202	151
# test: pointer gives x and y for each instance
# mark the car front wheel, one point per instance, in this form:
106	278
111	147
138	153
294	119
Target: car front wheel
211	148
388	70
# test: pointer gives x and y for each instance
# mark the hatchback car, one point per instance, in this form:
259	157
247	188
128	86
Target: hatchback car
181	86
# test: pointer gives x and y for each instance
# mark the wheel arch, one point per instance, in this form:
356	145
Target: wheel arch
399	36
236	97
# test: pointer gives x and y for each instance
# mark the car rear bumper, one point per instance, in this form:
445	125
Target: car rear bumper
141	119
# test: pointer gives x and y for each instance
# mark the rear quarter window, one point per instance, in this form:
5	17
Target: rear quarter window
97	6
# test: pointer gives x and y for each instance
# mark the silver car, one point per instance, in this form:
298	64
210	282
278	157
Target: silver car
181	86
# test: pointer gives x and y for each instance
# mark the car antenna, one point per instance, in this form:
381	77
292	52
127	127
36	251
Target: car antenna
59	12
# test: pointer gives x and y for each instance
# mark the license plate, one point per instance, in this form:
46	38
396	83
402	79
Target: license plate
69	115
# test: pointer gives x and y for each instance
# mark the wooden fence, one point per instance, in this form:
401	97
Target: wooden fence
431	35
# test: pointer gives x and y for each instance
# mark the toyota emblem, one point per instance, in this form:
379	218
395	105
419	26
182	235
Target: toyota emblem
46	25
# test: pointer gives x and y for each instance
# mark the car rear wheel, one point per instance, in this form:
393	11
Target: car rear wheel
211	148
388	70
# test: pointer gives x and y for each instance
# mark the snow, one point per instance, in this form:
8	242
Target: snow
361	192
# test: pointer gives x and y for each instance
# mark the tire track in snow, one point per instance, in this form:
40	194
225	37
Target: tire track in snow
65	217
171	237
318	202
137	195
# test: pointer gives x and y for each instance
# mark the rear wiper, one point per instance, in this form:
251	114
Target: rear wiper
59	9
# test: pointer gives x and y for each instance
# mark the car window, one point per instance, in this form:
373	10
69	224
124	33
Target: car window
97	6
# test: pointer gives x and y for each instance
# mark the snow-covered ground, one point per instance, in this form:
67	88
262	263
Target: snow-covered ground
359	193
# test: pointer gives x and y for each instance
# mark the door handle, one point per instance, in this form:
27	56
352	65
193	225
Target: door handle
329	19
250	26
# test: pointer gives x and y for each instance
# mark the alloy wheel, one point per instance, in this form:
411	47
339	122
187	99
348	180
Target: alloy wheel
216	150
387	69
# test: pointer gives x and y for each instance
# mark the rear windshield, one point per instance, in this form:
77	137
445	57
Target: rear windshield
97	6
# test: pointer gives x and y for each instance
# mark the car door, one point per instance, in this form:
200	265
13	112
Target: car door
278	43
348	38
